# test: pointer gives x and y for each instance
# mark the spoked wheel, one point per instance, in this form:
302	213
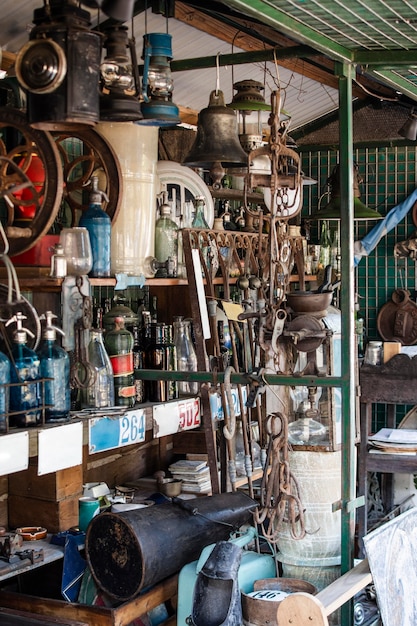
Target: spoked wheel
84	154
31	181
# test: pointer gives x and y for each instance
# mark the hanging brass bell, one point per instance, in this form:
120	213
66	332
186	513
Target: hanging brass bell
216	146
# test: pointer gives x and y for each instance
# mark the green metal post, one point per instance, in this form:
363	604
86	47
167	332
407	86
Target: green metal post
348	379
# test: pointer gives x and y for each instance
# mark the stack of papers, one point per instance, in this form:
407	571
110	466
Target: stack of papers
394	440
195	475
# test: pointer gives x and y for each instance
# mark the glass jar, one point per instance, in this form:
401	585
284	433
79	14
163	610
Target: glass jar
373	353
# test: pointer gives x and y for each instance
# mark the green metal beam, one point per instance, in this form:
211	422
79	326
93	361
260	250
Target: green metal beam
348	380
240	58
388	59
266	13
398	82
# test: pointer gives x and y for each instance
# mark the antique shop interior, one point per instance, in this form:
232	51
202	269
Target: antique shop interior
208	329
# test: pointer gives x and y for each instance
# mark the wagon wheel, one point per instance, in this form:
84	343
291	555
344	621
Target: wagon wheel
85	153
31	180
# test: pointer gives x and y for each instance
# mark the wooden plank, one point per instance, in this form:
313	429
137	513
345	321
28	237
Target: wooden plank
299	609
140	605
123	615
22	618
344	588
92	615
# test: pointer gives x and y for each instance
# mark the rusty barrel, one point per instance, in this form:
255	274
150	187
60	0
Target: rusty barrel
135	549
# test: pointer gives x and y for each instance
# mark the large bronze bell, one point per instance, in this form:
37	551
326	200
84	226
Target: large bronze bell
217	144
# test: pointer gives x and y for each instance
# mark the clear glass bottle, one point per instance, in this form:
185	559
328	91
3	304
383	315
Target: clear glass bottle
325	245
54	365
186	355
166	242
101	392
25	398
119	346
98	224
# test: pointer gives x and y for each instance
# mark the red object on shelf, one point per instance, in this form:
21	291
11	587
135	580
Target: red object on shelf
40	254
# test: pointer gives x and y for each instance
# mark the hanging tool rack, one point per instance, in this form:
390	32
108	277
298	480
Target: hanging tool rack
243	259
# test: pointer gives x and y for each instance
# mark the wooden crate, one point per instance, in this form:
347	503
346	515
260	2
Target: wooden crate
54	487
54	516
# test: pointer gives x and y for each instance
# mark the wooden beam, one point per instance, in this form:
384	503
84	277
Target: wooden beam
318	68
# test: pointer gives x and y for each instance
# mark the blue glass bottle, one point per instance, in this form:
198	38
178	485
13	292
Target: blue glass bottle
98	224
4	390
25	398
54	365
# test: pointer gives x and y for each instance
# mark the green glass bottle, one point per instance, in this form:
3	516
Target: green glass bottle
119	346
166	243
199	220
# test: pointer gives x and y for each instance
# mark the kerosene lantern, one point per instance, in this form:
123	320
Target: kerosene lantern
157	84
119	97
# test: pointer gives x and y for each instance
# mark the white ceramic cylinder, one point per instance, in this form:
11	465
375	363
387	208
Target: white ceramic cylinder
133	230
318	475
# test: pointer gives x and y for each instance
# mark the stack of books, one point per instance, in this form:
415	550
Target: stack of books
195	475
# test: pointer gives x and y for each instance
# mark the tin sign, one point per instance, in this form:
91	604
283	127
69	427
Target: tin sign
107	433
174	417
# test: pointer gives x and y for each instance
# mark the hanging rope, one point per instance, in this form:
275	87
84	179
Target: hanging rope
280	499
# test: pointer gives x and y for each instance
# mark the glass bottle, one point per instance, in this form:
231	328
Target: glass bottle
325	245
101	392
55	365
166	242
170	361
199	220
138	364
4	390
119	309
119	346
186	355
98	224
25	398
155	360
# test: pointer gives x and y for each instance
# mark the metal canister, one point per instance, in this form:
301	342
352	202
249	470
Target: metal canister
373	353
58	262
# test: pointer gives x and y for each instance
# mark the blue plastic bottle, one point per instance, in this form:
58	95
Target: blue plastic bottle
4	390
54	364
98	224
25	398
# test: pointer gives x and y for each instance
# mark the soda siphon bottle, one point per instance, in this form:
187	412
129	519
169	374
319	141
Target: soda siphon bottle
25	397
54	365
98	224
